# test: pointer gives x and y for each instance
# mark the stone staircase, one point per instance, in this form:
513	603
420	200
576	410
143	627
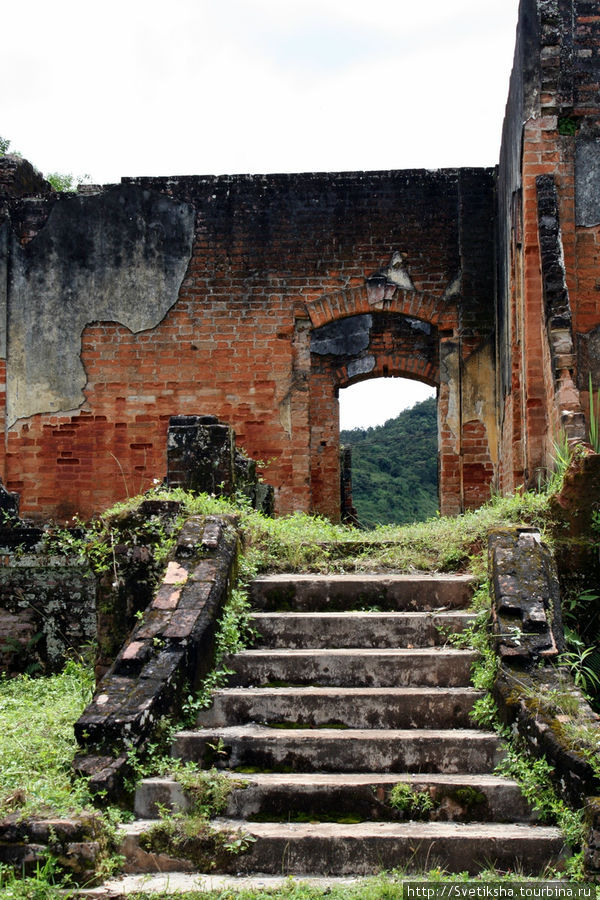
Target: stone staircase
350	691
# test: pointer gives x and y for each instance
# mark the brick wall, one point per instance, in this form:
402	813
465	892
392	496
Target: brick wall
273	259
548	310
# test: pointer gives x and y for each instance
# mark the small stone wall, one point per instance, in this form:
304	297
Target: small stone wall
47	604
79	844
202	457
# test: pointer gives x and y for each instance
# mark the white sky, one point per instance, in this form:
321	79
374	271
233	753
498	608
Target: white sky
190	87
373	402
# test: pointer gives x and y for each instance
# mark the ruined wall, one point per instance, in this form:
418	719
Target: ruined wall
548	189
201	295
256	298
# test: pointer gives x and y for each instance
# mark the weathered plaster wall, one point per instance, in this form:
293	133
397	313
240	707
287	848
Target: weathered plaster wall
119	256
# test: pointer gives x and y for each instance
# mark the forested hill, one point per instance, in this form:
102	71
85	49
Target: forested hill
394	467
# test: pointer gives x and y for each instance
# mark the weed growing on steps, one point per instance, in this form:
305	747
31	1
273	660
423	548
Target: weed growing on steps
417	804
534	777
47	883
192	837
303	543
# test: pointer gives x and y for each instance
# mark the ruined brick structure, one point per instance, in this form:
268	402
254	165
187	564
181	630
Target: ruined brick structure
256	298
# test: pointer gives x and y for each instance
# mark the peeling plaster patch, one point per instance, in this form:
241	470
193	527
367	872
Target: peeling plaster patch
285	414
361	366
345	337
4	244
450	376
119	256
479	394
397	273
587	180
454	288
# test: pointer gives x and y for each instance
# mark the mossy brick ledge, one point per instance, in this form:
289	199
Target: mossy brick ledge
526	613
172	646
533	696
79	844
525	700
126	588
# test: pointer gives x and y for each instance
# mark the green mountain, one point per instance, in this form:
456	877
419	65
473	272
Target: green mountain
394	467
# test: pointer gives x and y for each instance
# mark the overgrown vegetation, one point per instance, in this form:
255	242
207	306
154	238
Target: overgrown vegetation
394	467
293	543
37	743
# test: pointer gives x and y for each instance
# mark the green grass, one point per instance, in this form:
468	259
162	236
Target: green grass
303	543
37	743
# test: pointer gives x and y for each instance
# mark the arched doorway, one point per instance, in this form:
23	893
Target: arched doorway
363	333
379	344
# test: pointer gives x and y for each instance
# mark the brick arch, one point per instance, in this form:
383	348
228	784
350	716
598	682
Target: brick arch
391	365
368	298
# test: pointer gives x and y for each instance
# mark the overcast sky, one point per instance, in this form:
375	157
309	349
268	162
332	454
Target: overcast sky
189	87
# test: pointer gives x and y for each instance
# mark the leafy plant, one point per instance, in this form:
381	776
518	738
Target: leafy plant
575	661
562	459
567	126
414	803
234	633
61	181
534	776
47	883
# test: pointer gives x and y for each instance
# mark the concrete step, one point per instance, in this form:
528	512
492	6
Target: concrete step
363	849
331	797
416	593
346	750
357	629
358	667
390	707
196	885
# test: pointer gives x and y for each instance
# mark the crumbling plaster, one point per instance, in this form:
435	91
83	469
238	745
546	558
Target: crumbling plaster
117	256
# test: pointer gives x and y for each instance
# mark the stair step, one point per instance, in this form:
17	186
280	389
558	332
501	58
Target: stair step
367	848
357	629
196	885
305	593
347	750
333	796
352	667
378	707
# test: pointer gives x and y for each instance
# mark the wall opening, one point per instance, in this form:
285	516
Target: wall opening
390	424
